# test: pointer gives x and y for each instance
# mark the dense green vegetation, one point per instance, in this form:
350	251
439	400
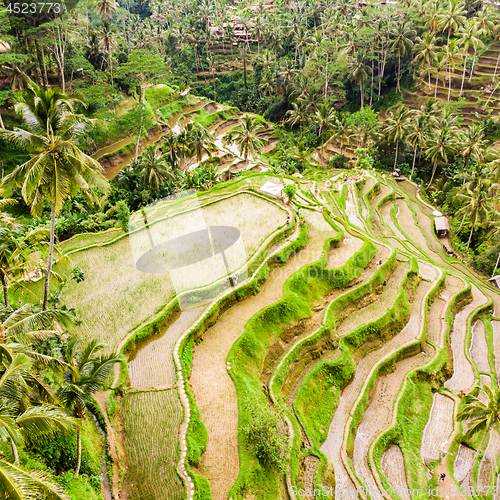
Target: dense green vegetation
111	106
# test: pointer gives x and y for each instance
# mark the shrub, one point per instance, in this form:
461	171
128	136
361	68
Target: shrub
339	161
266	435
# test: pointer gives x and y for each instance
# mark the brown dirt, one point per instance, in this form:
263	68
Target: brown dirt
378	415
153	365
339	256
333	447
393	467
463	374
213	387
489	461
382	302
438	428
479	347
437	313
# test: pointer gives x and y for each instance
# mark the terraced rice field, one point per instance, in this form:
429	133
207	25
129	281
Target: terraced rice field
115	297
366	338
151	423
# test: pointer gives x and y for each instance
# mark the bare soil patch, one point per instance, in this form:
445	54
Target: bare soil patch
213	387
438	428
463	374
479	347
393	467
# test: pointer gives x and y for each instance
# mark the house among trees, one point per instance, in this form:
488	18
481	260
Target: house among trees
441	226
495	280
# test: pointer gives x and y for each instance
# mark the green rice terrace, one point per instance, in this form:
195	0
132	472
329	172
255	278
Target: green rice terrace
250	250
338	365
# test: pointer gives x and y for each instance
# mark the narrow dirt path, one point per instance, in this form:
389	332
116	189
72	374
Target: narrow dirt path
463	374
333	447
214	389
496	346
393	467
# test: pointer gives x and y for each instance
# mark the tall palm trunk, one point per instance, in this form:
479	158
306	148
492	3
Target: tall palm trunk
15	453
496	265
434	167
1	122
414	158
396	155
78	451
143	92
4	286
463	76
436	86
49	260
496	67
449	81
473	64
110	65
470	235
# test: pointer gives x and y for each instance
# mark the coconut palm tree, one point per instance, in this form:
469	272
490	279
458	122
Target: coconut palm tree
469	37
106	8
450	53
89	371
483	416
199	141
324	118
425	51
472	144
246	135
57	169
452	17
395	127
153	168
402	44
298	114
108	41
341	130
477	204
358	70
439	145
419	129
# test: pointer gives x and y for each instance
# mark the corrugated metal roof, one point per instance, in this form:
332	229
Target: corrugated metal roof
441	224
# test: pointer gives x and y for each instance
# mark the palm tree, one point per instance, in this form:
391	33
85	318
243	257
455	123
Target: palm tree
88	373
477	203
153	168
450	52
359	72
324	119
107	38
418	132
402	45
483	416
395	127
57	169
246	135
199	141
106	8
452	17
425	51
439	146
298	114
469	37
486	25
472	143
341	130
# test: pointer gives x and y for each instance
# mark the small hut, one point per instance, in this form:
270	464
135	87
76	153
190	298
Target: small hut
441	226
495	280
